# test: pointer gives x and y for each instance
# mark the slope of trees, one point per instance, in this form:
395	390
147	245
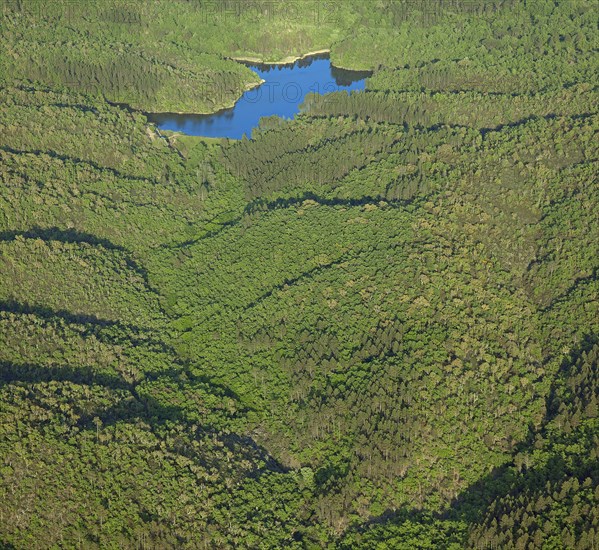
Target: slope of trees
544	498
374	326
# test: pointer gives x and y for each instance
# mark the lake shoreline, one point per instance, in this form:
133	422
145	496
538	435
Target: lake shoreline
289	60
339	77
230	105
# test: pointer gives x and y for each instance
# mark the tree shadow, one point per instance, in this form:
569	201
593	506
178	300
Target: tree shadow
73	236
263	204
23	308
472	504
140	406
75	160
35	374
88	324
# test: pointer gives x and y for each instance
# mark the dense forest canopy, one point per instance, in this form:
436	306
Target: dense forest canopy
373	326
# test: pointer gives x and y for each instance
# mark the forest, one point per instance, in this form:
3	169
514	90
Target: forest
373	326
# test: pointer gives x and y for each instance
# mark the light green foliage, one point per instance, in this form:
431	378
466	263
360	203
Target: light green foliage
374	326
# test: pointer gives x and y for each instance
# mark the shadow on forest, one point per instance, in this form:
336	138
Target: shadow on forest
12	306
75	160
62	235
260	204
471	504
105	331
31	373
72	236
122	334
138	405
207	235
531	118
576	284
144	408
116	332
290	281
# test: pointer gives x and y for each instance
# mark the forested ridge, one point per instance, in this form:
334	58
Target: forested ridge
373	326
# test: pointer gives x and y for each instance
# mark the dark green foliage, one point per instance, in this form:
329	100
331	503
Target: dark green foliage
374	326
545	498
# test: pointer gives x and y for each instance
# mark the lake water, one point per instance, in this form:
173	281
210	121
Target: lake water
281	94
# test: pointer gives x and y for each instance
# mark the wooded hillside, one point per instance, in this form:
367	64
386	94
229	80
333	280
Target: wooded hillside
373	326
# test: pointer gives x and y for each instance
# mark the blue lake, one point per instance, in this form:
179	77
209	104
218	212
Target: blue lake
281	94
